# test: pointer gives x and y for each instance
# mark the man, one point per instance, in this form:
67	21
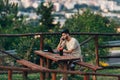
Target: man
72	46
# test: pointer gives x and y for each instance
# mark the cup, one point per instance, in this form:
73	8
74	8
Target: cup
61	52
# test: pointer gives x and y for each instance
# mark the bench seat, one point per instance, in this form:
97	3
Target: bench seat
88	65
31	65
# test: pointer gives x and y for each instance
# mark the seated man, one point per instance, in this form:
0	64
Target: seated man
71	44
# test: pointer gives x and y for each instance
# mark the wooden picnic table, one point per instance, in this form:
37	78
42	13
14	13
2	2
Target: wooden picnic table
56	58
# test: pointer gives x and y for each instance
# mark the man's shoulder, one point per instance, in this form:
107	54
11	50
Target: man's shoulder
74	39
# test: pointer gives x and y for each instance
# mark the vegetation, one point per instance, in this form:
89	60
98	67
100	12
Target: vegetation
87	21
46	20
11	23
36	77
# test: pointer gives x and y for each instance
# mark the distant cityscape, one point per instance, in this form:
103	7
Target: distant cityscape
66	8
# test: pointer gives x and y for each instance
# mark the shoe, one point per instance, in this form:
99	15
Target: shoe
72	65
61	78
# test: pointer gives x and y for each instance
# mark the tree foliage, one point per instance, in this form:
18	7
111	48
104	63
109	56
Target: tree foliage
11	23
7	13
45	12
88	21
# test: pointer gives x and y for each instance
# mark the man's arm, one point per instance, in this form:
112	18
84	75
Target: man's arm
68	51
61	44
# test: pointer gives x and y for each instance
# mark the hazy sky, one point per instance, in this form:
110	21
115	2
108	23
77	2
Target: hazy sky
28	3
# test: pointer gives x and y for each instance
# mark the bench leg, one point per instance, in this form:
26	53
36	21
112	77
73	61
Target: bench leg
9	74
48	66
65	76
119	78
86	77
94	76
42	76
25	75
54	76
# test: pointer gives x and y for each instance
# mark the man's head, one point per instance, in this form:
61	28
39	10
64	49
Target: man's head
65	34
66	31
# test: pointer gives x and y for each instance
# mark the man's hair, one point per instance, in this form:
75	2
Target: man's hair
66	31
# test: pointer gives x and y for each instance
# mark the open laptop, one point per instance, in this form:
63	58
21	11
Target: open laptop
47	48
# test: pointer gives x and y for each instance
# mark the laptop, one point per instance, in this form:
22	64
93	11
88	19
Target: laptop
47	48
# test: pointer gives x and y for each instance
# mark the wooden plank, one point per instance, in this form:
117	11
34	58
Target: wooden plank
42	76
54	77
86	77
31	65
81	73
119	78
41	61
47	55
14	68
56	57
90	66
9	74
48	65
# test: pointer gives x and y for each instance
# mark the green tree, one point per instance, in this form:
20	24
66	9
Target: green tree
7	13
88	21
11	23
46	22
46	19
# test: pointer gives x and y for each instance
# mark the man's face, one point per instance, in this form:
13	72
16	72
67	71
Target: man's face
64	36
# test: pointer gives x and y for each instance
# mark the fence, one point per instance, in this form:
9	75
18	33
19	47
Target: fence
95	37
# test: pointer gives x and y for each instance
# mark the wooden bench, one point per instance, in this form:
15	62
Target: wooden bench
11	69
31	65
34	67
88	65
86	74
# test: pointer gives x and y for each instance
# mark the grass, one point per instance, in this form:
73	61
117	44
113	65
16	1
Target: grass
36	76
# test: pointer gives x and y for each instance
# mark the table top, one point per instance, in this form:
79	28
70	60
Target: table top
55	56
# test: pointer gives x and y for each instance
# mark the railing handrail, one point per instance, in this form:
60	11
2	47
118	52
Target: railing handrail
72	33
59	71
57	33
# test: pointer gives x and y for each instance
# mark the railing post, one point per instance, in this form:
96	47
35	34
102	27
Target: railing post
9	74
94	76
96	50
48	62
41	42
42	76
54	76
86	77
118	77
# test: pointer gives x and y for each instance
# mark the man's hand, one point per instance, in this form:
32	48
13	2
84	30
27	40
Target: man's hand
61	43
62	39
